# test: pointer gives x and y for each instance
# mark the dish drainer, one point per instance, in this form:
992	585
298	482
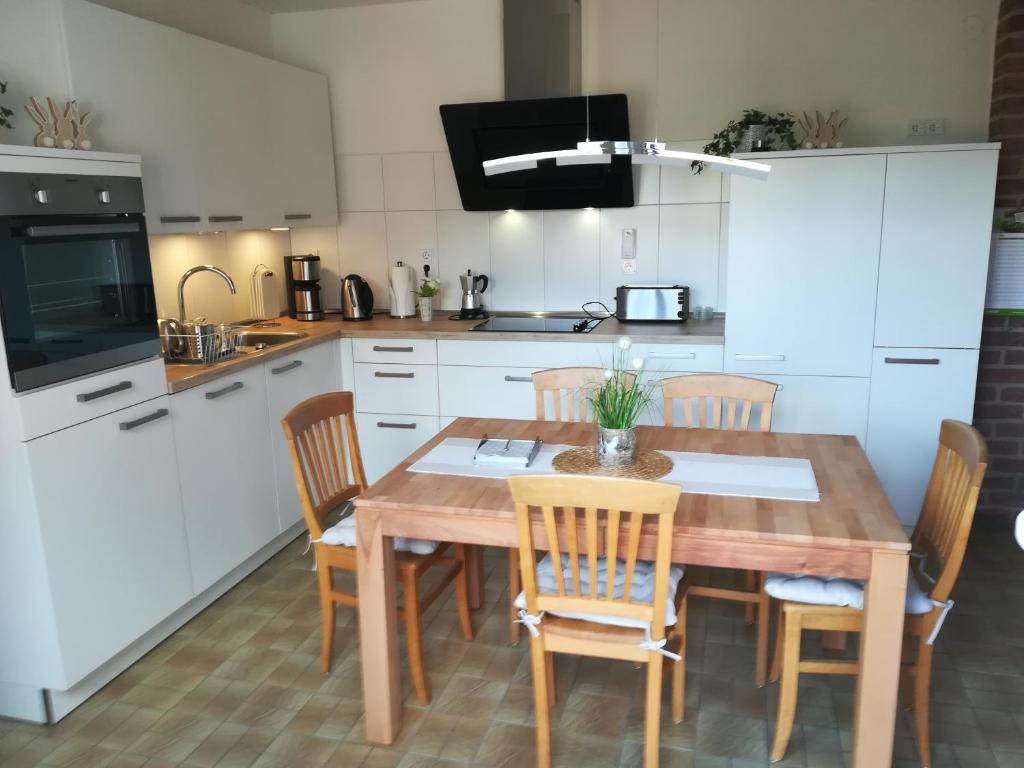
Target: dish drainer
206	344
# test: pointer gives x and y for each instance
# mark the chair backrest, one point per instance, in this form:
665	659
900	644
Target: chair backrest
625	506
736	395
949	503
324	447
573	385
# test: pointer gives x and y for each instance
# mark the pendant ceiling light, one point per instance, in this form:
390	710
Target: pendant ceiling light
589	152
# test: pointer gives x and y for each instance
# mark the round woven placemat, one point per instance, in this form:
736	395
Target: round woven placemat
647	464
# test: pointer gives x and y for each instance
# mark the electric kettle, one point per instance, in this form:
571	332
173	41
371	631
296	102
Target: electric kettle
356	298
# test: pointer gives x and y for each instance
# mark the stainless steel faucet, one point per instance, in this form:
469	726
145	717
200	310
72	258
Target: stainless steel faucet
192	271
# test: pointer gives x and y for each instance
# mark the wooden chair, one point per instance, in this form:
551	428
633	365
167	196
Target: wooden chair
328	469
570	390
727	402
615	615
939	541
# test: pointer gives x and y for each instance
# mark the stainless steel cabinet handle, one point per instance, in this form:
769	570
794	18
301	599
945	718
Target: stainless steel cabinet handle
385	375
525	379
71	230
297	216
285	368
157	414
233	387
392	349
85	397
220	219
912	360
395	425
673	355
761	358
180	219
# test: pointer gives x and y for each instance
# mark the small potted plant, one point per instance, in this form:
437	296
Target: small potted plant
618	404
5	113
755	131
429	288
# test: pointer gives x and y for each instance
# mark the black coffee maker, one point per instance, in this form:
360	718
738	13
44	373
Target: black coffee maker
302	279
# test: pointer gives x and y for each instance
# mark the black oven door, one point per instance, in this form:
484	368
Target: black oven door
76	296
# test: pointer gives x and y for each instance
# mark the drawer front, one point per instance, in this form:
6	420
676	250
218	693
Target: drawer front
386	440
680	358
63	405
396	388
524	354
497	393
407	351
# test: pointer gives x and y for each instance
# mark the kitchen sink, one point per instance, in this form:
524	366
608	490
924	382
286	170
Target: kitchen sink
261	339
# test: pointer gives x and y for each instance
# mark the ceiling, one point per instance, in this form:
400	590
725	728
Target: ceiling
289	6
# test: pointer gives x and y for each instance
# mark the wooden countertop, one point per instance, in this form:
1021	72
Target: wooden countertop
182	376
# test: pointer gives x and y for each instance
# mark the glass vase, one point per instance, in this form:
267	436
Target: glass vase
615	447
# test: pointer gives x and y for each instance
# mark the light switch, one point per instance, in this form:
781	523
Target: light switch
629	243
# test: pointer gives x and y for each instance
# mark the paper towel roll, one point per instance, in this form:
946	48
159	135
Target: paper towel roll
403	285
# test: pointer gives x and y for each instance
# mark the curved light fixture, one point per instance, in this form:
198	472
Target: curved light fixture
644	152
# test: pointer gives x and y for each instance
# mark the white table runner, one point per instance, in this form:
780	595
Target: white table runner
762	477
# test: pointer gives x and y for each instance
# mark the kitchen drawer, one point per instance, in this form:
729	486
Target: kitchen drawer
410	351
680	358
497	393
525	354
63	405
386	440
396	388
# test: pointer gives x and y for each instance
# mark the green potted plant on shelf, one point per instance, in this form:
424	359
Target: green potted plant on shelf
755	131
429	288
5	113
618	404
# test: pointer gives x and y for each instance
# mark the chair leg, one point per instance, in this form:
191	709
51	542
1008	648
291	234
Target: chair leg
549	664
780	621
922	685
652	715
750	579
413	639
327	616
788	688
679	668
764	601
542	711
513	590
462	593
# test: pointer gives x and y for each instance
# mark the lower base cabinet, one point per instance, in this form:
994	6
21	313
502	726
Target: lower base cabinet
821	405
112	531
912	391
227	480
385	440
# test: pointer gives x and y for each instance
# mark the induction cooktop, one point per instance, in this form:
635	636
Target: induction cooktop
538	324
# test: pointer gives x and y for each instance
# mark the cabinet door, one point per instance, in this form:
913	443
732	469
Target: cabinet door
821	405
138	79
227	480
110	514
305	193
912	391
386	440
290	380
935	246
495	393
390	388
803	267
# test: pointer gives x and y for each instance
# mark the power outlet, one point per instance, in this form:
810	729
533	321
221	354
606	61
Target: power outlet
935	127
931	126
917	128
427	259
629	266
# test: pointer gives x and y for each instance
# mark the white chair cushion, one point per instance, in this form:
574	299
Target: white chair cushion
343	534
823	590
642	590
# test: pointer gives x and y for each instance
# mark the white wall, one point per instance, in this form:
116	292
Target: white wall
390	66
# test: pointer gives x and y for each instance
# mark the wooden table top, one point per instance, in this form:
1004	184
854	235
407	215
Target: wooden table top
853	511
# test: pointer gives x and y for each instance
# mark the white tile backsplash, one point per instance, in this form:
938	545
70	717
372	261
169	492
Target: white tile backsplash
446	189
646	184
643	218
517	260
360	182
363	250
409	181
463	242
408	232
571	259
688	249
682	185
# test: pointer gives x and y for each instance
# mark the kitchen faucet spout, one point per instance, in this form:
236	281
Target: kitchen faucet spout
192	271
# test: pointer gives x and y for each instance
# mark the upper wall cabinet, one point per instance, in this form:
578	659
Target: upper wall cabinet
935	246
803	267
229	140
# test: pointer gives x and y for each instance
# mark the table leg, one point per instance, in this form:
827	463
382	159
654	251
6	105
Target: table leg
475	574
378	629
881	641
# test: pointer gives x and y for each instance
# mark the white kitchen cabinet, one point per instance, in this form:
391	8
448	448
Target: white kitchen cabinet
290	380
487	392
821	405
300	124
385	440
912	391
391	388
525	354
110	516
935	245
803	267
403	351
223	442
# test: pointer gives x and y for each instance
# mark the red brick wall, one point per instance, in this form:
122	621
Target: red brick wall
1006	123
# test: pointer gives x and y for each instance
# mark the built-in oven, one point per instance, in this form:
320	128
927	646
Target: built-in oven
76	287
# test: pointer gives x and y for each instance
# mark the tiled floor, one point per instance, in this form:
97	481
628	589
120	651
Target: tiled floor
240	685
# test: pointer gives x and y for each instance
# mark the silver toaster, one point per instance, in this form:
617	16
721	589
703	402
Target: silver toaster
652	303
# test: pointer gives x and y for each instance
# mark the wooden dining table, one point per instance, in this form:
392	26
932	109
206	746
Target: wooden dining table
850	532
